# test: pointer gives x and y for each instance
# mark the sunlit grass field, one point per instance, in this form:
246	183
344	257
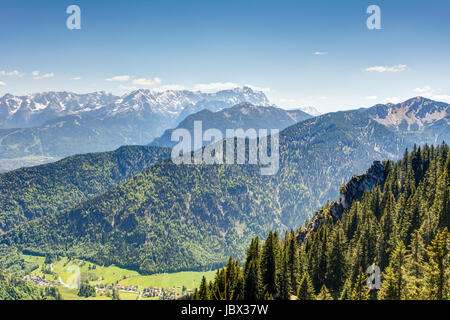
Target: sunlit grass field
64	270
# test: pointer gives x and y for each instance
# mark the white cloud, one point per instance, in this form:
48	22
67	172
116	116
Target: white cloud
47	75
396	68
320	53
215	86
76	78
147	82
372	97
392	100
11	73
432	94
123	78
440	97
36	75
2	84
422	90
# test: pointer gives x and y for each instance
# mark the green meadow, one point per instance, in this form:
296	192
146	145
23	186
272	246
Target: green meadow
65	270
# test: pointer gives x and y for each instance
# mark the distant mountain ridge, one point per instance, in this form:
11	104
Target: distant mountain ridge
311	110
242	116
65	124
35	109
418	119
411	115
174	104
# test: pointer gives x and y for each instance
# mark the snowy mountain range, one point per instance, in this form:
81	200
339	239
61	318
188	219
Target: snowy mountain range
36	109
59	124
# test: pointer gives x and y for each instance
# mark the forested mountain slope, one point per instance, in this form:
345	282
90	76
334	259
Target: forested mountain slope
242	116
34	192
396	216
168	218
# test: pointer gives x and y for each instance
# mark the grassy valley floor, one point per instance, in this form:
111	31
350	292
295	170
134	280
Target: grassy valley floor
129	284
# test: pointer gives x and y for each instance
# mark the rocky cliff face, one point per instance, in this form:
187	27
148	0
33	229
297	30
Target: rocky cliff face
356	187
350	192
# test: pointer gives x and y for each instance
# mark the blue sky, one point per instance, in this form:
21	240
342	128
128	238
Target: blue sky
215	44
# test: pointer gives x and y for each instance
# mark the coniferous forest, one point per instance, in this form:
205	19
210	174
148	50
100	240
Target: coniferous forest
400	225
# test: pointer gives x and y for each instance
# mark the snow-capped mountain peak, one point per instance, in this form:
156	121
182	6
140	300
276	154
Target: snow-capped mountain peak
173	103
310	110
36	109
